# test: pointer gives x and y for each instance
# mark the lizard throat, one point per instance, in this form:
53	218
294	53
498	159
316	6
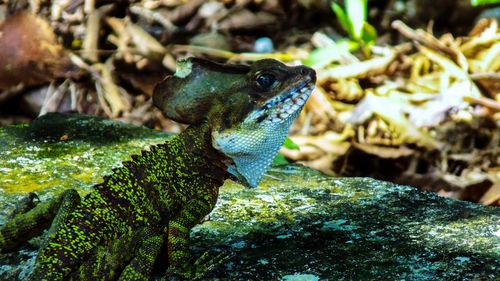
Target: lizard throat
252	146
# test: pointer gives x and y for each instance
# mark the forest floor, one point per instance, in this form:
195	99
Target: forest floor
406	92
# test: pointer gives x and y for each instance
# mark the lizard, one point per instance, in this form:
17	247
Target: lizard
238	117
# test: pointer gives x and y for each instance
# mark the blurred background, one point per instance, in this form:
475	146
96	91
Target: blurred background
407	91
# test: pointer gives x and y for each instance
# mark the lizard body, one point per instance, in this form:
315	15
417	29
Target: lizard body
238	116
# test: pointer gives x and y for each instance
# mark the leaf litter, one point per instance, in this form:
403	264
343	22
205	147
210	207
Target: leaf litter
423	111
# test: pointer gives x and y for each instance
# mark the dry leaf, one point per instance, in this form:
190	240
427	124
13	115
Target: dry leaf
492	196
246	20
30	53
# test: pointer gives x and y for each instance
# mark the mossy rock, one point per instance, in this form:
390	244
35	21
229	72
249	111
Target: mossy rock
60	151
297	225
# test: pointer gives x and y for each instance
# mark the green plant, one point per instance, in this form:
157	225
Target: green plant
280	159
483	2
353	21
333	51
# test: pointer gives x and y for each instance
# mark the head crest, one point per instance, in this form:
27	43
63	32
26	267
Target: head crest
188	95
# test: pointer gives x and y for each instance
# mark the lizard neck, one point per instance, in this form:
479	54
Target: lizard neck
197	141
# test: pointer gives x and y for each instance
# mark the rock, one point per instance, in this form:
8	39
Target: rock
490	13
297	225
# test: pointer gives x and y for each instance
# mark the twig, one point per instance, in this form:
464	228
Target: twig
430	41
111	92
53	97
232	56
89	6
93	26
102	100
489	103
11	92
357	69
128	32
57	8
447	64
485	76
154	16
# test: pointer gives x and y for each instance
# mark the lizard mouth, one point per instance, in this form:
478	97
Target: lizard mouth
282	107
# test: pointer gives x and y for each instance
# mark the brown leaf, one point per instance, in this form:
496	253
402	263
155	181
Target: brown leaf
431	42
320	104
365	68
393	111
184	11
109	92
246	20
384	152
30	53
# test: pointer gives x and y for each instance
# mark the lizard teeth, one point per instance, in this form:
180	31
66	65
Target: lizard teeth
281	107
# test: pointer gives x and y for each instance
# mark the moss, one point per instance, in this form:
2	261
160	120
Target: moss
67	150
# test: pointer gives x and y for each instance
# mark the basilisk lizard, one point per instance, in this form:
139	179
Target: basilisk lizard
238	115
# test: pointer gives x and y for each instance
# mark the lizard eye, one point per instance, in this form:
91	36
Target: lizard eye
265	81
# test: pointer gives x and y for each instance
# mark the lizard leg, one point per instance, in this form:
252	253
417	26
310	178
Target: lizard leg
27	225
133	254
24	205
141	266
77	238
179	258
129	252
107	260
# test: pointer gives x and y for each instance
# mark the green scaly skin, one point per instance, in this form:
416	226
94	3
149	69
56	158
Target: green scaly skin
175	188
151	203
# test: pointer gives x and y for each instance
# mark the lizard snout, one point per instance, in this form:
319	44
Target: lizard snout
307	71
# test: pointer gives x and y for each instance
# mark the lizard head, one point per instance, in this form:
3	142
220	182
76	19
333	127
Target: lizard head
248	108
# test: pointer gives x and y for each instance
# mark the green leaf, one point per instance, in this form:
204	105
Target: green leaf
369	34
356	12
342	17
290	144
322	57
280	160
483	2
